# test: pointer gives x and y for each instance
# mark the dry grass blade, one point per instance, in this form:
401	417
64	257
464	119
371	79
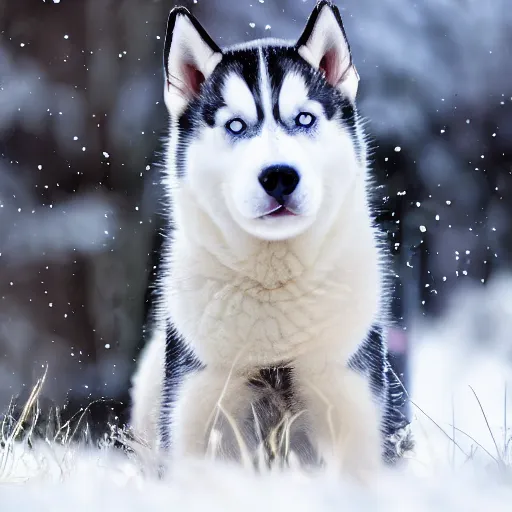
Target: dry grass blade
425	414
488	427
505	428
30	407
217	409
244	452
477	443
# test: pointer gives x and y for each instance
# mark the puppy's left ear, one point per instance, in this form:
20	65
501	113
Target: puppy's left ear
190	56
324	45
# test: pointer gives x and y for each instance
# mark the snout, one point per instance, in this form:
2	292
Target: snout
279	182
276	202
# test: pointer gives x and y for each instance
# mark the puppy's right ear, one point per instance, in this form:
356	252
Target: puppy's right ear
190	56
325	46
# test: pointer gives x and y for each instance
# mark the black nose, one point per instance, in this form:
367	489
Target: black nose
279	181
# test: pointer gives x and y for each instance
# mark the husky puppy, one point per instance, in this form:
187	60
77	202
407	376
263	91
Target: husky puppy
272	275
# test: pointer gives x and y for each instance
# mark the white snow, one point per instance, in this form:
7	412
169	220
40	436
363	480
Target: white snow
462	460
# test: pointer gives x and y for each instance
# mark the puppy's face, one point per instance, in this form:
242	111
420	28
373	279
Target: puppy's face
266	135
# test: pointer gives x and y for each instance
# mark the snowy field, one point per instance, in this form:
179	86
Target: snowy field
461	462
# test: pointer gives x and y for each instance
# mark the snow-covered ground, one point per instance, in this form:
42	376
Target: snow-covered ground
101	481
461	462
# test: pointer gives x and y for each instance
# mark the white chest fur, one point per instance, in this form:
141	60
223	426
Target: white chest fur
276	310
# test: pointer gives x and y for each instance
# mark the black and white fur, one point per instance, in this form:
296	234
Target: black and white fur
273	265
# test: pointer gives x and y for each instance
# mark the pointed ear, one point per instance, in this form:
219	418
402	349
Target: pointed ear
324	45
190	56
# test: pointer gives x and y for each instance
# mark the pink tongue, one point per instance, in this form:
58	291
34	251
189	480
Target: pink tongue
281	211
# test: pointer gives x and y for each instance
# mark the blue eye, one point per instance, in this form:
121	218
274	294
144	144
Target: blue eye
236	126
305	120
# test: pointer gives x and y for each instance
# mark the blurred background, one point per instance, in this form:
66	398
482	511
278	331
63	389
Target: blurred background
81	127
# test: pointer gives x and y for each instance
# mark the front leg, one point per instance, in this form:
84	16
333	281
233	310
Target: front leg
207	398
341	413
